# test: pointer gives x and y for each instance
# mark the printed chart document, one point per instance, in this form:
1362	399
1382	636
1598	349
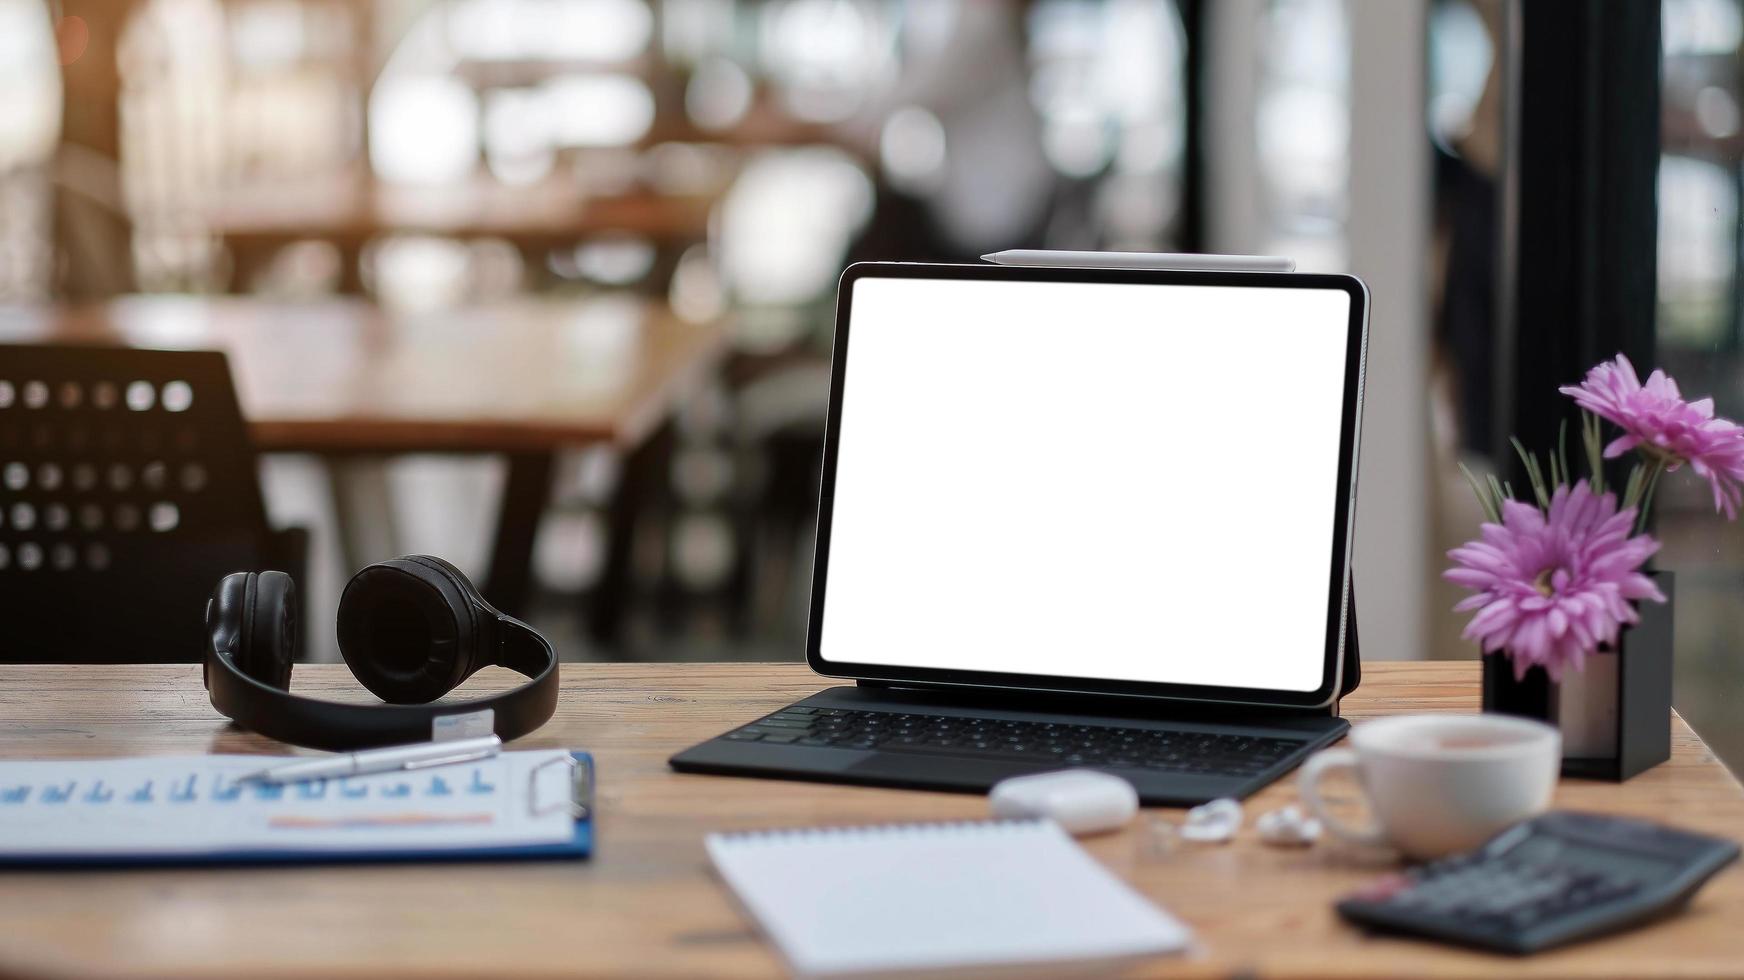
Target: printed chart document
934	897
195	805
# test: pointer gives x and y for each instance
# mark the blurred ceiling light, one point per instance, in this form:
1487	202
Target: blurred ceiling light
598	110
578	30
1107	69
1062	28
614	261
718	94
787	221
266	34
911	150
824	54
691	30
597	30
1302	125
1304	140
517	136
696	293
1701	26
422	129
1138	62
1717	112
1460	55
30	83
418	273
1079	144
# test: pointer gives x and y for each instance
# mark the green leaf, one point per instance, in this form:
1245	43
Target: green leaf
1594	441
1533	473
1485	501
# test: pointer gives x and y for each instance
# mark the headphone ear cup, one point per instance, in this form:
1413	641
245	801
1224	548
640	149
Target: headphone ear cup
269	636
409	631
224	634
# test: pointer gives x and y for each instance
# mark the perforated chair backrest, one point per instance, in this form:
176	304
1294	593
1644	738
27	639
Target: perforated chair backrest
128	487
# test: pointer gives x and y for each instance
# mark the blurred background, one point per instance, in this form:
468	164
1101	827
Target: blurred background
545	286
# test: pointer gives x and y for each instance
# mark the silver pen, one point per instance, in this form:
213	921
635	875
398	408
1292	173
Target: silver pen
422	755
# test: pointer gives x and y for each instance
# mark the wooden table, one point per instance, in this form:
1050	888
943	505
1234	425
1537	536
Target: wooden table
647	904
350	209
343	378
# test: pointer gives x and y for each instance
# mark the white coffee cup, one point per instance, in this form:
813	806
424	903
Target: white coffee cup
1441	784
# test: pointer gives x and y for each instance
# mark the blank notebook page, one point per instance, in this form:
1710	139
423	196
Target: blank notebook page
937	896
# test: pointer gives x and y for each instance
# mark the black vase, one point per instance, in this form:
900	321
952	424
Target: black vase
1616	717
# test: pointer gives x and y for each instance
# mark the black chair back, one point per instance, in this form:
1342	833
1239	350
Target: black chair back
128	487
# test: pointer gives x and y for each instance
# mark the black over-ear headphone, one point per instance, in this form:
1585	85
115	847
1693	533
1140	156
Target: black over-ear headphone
411	630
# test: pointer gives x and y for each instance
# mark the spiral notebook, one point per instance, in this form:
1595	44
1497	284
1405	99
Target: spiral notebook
935	897
196	810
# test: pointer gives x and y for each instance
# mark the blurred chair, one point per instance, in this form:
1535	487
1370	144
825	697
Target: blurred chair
128	487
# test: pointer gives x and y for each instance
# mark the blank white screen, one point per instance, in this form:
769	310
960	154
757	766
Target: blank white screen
1111	481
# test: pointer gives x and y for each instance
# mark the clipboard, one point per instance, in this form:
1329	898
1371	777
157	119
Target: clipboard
576	803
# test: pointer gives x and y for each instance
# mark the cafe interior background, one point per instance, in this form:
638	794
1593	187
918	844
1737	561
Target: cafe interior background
724	159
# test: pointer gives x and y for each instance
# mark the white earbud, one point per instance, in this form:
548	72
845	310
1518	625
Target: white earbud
1288	827
1213	823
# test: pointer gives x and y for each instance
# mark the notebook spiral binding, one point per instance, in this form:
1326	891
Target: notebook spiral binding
819	834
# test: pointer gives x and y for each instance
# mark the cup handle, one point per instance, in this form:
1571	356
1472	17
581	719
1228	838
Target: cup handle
1308	785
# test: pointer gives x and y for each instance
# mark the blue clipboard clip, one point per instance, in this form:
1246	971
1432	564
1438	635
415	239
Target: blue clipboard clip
579	802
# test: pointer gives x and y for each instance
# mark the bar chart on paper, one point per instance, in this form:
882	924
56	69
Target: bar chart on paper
196	806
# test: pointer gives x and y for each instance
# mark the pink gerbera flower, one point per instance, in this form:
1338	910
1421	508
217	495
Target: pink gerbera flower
1655	417
1552	589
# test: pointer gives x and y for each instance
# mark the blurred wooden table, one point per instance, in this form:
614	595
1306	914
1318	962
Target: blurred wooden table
348	210
647	903
342	378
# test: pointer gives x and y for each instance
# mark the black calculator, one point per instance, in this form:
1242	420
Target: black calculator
1559	878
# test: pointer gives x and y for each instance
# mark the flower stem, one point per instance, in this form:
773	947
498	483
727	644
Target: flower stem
1654	469
1591	437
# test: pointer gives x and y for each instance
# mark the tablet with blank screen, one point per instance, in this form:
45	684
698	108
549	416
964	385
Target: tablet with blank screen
1097	481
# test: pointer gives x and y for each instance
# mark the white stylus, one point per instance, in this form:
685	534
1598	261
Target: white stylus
422	755
1182	261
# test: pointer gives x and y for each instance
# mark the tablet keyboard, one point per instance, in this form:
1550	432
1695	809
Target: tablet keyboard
1064	745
